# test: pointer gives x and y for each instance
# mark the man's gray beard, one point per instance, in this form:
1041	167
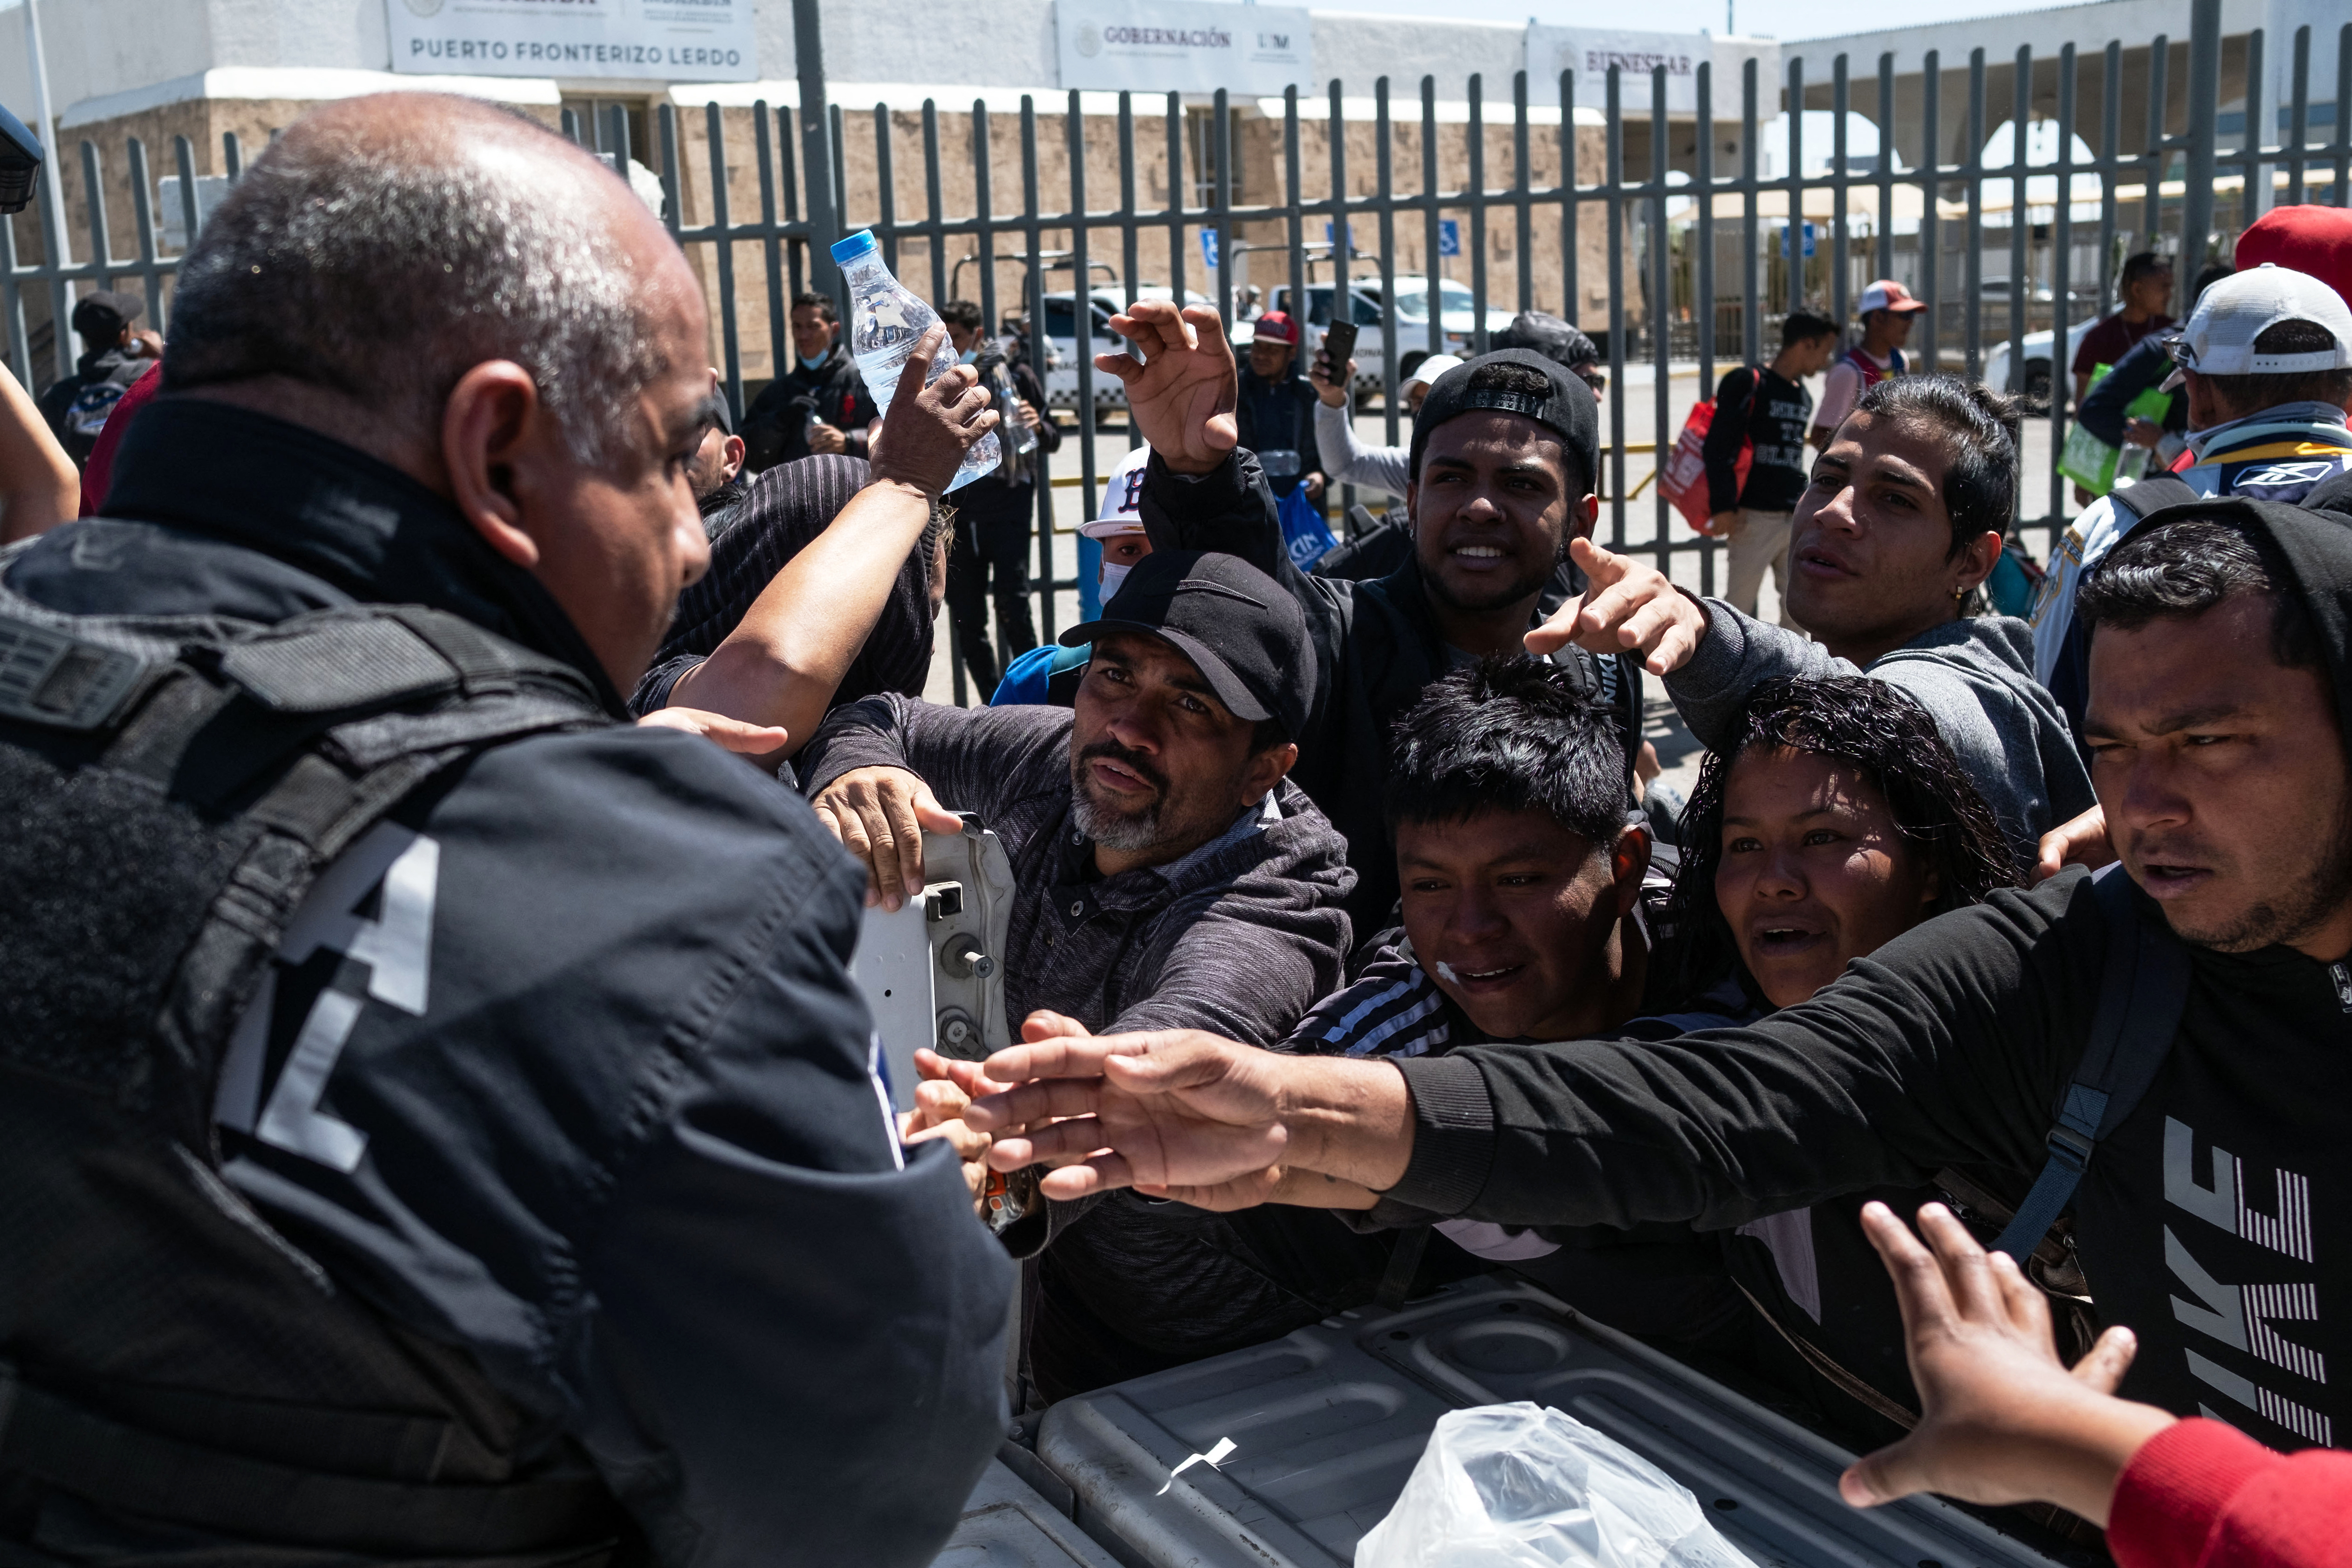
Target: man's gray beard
2298	909
1112	829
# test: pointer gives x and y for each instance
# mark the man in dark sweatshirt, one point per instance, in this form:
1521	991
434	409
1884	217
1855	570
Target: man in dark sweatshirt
2215	1219
1764	408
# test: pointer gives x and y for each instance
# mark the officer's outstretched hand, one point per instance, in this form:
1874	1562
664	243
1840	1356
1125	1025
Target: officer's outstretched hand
880	814
942	1096
1628	605
930	428
730	733
1182	393
2003	1419
1179	1114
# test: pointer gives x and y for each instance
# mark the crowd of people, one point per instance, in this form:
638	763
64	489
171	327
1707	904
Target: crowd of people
449	762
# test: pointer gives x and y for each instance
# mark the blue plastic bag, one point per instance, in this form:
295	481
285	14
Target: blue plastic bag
1305	536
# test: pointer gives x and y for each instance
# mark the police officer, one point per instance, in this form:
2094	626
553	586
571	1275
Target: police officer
437	1123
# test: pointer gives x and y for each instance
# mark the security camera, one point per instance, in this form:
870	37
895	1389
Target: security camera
20	162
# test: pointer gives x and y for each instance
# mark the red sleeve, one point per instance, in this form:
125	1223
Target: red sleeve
97	472
2202	1495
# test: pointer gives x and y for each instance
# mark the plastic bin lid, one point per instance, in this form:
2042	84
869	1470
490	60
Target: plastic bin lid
855	245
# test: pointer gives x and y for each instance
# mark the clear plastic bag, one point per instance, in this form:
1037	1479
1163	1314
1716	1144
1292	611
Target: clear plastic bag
1519	1485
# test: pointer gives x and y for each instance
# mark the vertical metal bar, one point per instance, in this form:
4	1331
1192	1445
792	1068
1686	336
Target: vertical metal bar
1523	232
817	146
1384	165
1931	236
1661	536
1883	242
2298	119
934	206
2020	96
2111	169
1613	179
101	240
1295	215
788	172
1082	276
1750	329
673	180
1129	235
2062	275
1795	232
1840	246
885	185
771	245
1432	265
58	258
1176	203
12	299
183	162
1705	270
1572	300
1475	139
2204	105
984	222
1082	282
730	340
2343	186
1972	270
1032	295
1222	138
143	220
2151	195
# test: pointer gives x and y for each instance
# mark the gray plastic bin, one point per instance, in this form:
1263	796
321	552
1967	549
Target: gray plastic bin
1007	1523
1328	1422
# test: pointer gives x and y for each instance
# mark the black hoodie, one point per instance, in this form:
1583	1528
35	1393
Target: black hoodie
2216	1221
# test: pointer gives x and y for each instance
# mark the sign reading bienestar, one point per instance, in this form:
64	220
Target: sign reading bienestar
1106	44
663	40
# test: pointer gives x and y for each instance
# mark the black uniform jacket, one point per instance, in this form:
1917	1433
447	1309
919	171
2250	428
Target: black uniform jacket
611	1121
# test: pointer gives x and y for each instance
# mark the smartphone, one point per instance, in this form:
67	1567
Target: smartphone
1338	347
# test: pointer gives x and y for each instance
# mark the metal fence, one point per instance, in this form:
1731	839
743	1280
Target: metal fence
1670	229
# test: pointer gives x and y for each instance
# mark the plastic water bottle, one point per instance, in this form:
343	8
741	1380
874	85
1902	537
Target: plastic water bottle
886	322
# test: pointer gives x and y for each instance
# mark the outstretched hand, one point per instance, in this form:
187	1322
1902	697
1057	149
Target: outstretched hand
2004	1419
930	428
1182	394
1178	1114
1627	606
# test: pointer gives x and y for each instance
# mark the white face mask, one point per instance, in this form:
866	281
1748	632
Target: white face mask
1114	573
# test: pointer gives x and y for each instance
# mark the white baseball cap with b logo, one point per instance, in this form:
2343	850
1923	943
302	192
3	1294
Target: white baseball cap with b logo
2219	339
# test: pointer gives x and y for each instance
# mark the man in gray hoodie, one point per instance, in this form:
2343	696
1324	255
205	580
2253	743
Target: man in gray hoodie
1898	528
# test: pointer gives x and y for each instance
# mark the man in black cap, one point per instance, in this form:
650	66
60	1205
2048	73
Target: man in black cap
1500	478
113	356
1167	875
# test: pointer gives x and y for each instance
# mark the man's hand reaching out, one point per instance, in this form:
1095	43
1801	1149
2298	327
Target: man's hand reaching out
1627	606
1181	395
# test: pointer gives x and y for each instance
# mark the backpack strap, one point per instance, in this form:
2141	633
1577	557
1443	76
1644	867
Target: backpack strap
2141	994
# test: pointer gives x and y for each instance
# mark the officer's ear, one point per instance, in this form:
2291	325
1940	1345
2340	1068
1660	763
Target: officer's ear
495	444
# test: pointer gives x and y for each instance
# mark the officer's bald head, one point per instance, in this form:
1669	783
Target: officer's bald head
384	245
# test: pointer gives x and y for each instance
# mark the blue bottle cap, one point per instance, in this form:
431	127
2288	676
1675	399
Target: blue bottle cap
855	245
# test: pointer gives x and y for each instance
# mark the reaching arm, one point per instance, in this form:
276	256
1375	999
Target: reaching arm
782	662
40	486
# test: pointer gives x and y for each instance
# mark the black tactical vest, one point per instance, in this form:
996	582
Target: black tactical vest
178	1380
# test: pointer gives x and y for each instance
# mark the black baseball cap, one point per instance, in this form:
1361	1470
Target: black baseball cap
103	313
1245	634
1567	409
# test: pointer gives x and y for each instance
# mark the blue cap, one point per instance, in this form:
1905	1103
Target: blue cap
857	245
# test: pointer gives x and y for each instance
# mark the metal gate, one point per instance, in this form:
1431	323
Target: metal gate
1668	232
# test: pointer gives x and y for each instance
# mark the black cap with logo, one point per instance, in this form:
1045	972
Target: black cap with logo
1244	634
102	314
1567	409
